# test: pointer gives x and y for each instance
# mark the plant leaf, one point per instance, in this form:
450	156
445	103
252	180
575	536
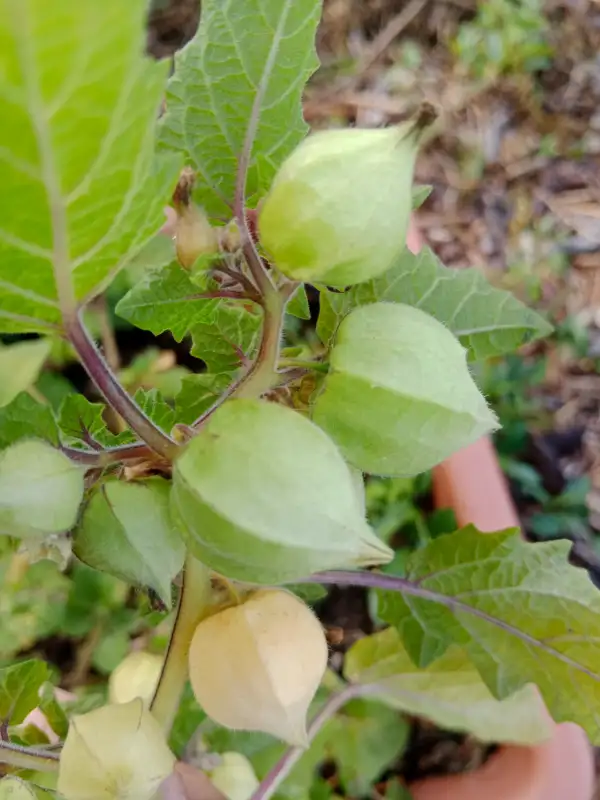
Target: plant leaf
82	424
229	337
520	610
82	191
20	365
189	716
420	194
486	320
166	300
198	393
25	418
450	692
298	305
364	739
311	593
19	689
53	711
156	254
156	407
126	530
240	49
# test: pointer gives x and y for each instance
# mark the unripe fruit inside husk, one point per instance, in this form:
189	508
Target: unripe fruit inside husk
40	490
257	666
117	752
262	495
119	521
136	676
399	397
338	209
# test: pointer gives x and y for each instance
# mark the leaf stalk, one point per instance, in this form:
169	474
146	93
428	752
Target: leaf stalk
114	393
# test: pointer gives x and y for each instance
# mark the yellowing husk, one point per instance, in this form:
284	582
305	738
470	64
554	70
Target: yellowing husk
194	236
257	666
136	676
234	776
117	752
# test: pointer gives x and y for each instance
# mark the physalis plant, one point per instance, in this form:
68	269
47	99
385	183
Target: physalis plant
243	485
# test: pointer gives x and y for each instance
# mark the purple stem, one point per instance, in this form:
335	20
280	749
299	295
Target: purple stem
376	580
110	455
277	774
114	393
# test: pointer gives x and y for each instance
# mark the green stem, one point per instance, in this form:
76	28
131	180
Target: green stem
194	602
28	758
261	375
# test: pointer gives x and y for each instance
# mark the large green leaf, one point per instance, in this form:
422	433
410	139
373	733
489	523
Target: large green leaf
520	610
20	365
450	692
488	321
166	300
256	49
81	191
19	689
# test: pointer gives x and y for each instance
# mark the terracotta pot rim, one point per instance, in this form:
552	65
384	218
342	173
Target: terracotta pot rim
472	484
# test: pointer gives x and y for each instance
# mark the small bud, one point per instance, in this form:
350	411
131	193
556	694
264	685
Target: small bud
117	752
194	236
258	665
230	239
40	490
338	209
234	776
263	495
399	397
136	676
